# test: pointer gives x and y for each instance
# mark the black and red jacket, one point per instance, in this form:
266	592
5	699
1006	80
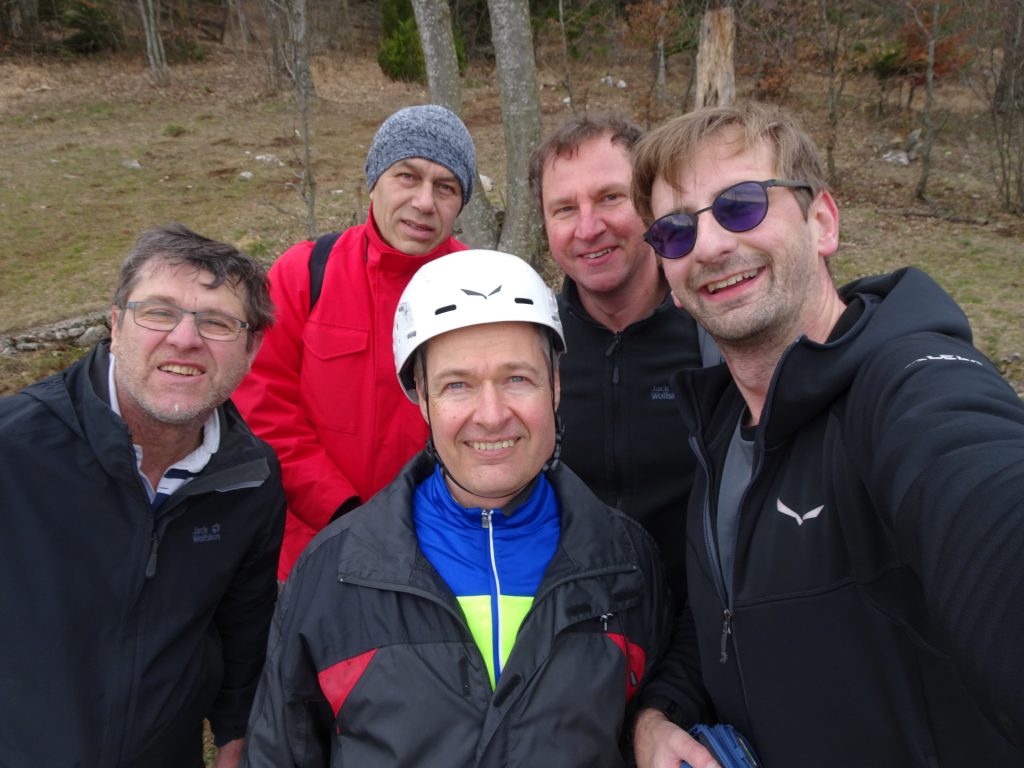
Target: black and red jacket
371	664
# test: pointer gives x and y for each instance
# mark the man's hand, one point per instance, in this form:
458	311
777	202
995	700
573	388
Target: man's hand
660	743
230	755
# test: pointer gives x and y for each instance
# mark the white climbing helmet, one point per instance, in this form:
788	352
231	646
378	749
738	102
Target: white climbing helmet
468	288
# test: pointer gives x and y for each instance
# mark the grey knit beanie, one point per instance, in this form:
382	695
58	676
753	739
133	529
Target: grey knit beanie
428	131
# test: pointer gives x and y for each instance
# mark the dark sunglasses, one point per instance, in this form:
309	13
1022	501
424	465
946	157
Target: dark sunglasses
739	208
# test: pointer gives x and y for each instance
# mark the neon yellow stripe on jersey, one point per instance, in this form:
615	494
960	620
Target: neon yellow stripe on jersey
477	609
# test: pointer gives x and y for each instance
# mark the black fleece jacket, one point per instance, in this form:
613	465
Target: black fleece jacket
876	617
623	435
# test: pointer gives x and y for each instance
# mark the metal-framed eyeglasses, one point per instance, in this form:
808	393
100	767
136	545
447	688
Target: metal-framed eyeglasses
738	208
159	316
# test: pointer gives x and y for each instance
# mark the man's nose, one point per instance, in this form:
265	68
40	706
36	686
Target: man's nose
713	240
491	408
423	199
590	224
185	333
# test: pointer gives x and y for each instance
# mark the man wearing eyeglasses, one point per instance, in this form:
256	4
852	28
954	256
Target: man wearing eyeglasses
141	525
625	336
855	536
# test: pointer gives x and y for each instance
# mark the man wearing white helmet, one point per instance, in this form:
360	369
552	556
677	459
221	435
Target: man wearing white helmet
485	608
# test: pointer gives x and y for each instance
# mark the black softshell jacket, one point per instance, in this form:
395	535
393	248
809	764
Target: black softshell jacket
120	630
622	432
878	609
371	664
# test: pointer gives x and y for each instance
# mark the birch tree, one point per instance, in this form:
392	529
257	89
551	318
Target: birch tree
434	21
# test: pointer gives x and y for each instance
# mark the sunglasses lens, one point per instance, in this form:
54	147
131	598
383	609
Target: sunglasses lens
673	236
742	207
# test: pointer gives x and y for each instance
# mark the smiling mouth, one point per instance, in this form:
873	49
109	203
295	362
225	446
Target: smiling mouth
181	370
497	446
730	281
596	254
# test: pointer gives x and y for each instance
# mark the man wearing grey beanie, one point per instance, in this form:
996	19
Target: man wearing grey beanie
322	389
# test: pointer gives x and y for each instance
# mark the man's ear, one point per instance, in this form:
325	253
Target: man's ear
824	216
421	400
115	318
254	342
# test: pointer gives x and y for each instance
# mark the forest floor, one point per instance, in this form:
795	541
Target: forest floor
91	153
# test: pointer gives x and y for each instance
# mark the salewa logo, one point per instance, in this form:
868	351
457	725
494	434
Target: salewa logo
482	295
662	392
800	519
955	358
204	533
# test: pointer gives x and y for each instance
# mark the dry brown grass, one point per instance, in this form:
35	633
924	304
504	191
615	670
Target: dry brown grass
69	208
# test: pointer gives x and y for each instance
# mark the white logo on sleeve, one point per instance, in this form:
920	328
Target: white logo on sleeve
796	515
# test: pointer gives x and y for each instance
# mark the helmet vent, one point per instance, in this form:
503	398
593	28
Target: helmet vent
524	301
442	310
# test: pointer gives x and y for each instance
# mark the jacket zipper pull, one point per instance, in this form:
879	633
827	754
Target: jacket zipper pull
726	631
151	563
604	620
485	518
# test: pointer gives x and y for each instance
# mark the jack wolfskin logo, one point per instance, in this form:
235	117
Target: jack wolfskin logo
482	295
796	515
203	533
662	392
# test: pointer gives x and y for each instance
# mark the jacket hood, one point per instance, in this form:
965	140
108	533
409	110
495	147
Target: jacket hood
810	376
79	397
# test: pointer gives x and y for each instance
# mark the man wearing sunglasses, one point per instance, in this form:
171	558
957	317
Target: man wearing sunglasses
141	525
626	337
855	535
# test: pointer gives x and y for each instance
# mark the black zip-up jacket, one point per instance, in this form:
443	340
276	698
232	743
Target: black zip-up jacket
120	630
623	435
371	663
877	616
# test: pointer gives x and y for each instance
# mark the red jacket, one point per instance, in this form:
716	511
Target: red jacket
323	390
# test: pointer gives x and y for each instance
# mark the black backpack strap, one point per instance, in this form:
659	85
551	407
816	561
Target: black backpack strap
318	265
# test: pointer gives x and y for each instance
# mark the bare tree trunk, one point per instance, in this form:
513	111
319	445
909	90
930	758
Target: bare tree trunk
833	42
566	73
237	10
277	37
148	10
302	80
434	21
716	75
930	28
520	112
660	65
29	21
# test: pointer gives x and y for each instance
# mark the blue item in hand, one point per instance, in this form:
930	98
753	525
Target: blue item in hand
727	745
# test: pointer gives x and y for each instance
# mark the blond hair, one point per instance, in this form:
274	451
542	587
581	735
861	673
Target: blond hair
664	151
